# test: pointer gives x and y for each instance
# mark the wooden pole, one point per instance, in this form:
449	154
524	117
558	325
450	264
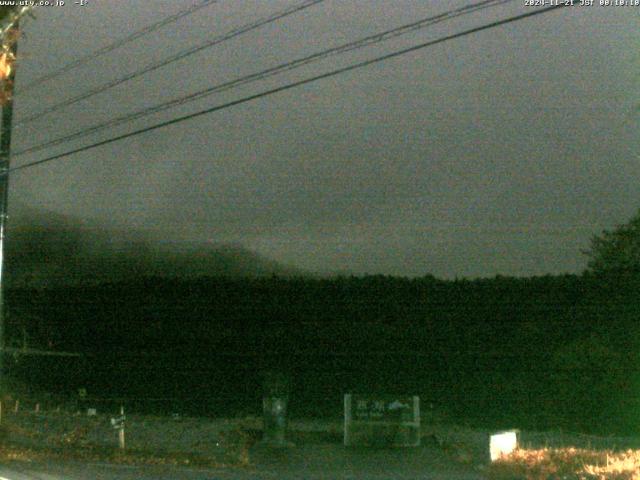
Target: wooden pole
5	152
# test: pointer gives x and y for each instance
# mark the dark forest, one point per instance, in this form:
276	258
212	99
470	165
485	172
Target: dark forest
534	352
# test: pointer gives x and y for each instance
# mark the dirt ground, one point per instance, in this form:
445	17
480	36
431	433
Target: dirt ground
447	451
234	442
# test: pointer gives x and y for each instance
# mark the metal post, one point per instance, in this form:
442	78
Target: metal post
5	157
121	441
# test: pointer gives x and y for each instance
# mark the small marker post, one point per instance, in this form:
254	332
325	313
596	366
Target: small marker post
121	430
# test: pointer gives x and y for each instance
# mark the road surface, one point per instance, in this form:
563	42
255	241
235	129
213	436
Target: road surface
314	463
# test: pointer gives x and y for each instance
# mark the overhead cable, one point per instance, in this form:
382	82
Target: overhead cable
285	87
115	45
269	72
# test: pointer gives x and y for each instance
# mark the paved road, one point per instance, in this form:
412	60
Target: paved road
317	462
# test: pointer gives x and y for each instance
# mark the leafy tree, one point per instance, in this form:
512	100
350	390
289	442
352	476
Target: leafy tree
5	11
618	250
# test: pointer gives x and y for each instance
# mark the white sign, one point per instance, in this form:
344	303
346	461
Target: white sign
118	422
502	444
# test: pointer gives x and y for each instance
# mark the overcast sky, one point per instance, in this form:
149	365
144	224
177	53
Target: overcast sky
501	152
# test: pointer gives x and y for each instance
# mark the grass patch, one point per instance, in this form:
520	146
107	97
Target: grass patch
20	444
21	453
569	463
74	442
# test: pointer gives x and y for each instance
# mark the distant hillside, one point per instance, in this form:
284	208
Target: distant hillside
46	248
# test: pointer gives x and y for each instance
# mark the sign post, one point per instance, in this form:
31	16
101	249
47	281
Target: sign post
118	424
275	401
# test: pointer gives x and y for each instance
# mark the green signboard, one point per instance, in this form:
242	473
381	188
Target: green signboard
381	420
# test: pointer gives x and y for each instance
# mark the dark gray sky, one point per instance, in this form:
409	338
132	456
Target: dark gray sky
500	152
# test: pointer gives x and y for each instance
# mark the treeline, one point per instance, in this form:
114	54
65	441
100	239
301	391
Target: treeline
541	352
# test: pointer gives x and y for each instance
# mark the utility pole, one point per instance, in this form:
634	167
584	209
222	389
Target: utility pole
5	157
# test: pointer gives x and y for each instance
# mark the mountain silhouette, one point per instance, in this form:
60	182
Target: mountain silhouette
45	248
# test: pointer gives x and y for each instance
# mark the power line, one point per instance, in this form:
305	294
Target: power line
272	71
117	44
286	87
179	56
